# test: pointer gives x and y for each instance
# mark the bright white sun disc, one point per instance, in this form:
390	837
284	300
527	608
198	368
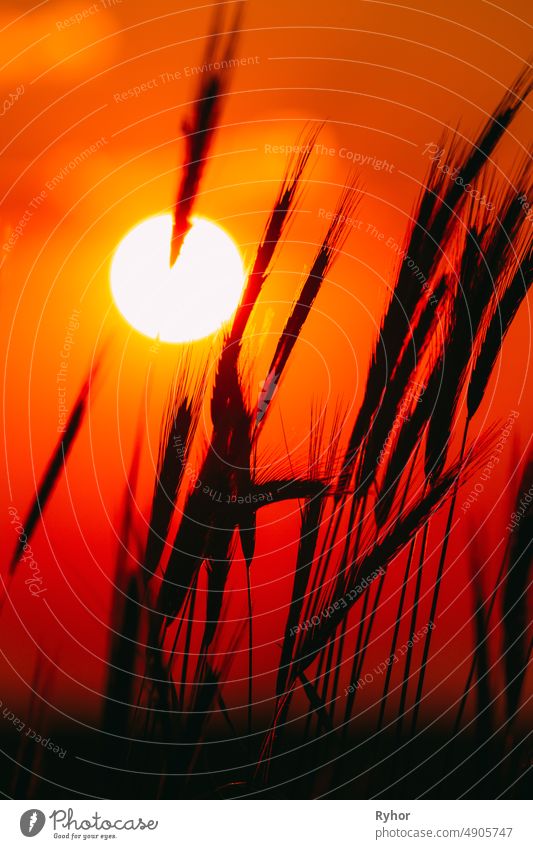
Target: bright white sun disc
189	301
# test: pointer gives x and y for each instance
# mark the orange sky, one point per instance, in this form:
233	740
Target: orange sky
384	78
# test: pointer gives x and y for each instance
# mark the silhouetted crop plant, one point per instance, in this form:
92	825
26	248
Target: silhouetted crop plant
367	499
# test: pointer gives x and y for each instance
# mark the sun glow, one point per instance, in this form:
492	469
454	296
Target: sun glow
189	301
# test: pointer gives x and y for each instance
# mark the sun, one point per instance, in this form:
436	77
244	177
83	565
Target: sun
189	301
